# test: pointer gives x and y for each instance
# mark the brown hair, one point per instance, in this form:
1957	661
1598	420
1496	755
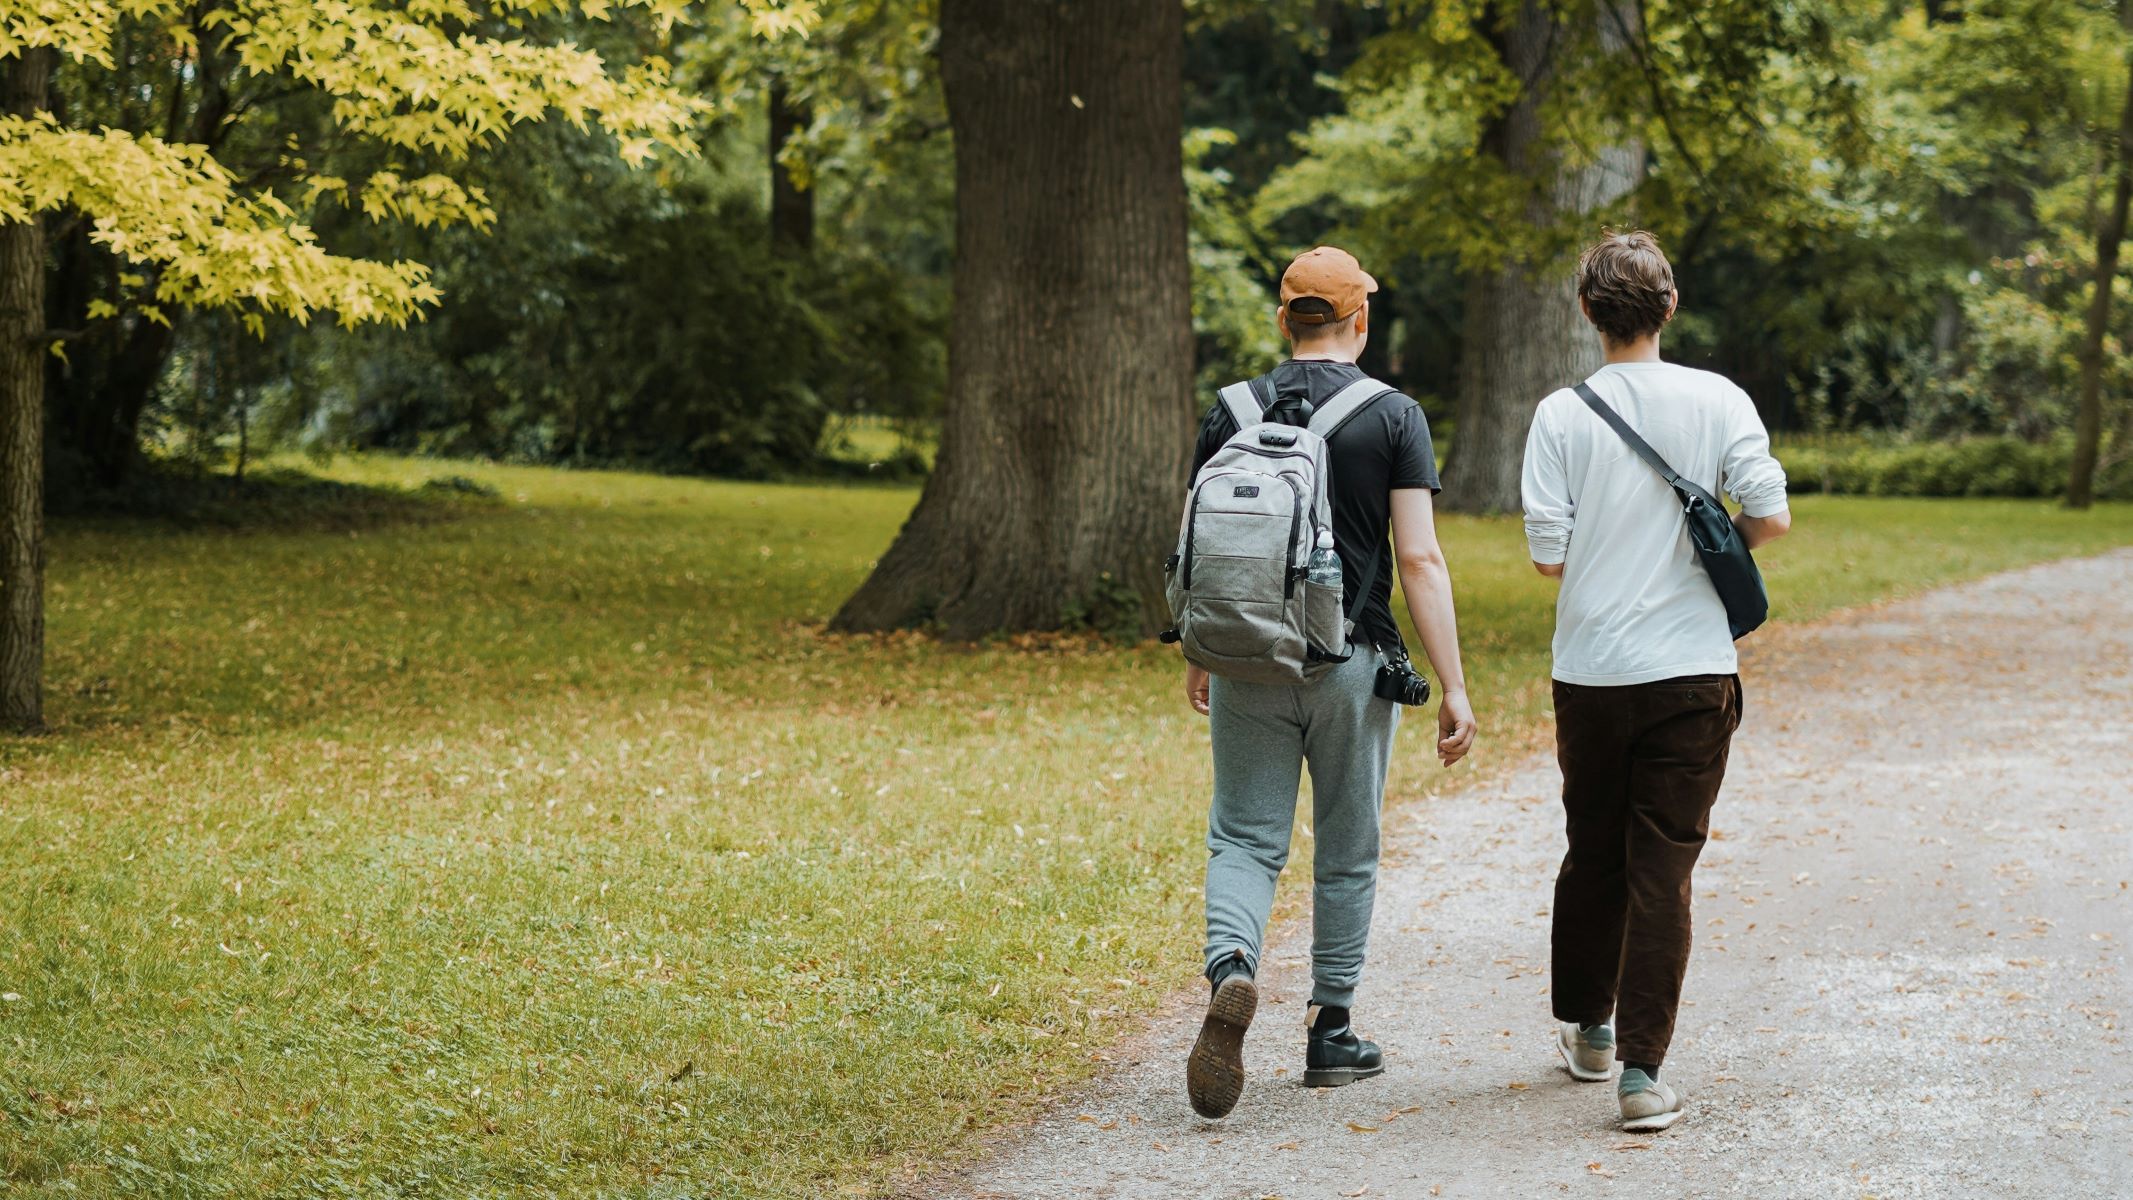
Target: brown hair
1626	284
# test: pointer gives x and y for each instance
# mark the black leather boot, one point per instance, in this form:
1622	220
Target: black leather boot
1214	1075
1334	1055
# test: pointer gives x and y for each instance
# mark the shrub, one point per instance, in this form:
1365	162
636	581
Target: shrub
1982	466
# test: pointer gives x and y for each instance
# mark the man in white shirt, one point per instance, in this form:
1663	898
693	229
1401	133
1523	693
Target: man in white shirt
1647	690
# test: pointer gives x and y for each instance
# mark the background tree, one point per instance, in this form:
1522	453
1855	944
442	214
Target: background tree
1070	353
421	81
2111	234
1524	335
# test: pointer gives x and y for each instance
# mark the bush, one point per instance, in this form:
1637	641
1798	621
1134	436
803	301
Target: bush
617	317
1984	466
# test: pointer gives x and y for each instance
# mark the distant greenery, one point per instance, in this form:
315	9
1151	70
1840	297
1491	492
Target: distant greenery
554	849
1882	216
1973	466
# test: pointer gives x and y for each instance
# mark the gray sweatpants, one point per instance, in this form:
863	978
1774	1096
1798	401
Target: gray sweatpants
1263	735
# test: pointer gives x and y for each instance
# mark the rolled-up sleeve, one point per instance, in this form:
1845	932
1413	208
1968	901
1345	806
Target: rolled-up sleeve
1753	477
1544	489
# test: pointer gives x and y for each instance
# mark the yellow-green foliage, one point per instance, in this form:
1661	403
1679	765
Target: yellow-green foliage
556	850
410	75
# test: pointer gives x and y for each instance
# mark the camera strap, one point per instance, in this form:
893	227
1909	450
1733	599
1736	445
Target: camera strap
1370	580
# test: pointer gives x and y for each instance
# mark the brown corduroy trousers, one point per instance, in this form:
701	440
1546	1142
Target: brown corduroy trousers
1641	766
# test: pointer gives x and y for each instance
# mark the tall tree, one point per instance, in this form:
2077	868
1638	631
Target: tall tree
406	78
24	345
2110	235
1525	336
1068	411
792	198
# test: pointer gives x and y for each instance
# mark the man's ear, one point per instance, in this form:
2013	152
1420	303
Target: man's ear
1585	308
1281	322
1362	320
1673	302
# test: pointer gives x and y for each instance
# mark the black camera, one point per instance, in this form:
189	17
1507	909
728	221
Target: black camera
1399	682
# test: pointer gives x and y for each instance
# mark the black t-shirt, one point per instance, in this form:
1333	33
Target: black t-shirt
1384	448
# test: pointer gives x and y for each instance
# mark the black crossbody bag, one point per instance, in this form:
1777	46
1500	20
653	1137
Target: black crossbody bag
1725	555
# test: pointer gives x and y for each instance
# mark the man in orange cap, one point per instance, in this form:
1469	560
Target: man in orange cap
1382	474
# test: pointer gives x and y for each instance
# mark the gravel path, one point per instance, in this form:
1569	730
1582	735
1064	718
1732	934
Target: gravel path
1910	977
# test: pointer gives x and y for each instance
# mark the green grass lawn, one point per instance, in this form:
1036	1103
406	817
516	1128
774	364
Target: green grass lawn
555	850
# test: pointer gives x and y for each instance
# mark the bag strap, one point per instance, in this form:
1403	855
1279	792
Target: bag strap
1687	490
1243	405
1621	427
1346	405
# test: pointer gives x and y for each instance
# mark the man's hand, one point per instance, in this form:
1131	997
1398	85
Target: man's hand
1196	688
1455	727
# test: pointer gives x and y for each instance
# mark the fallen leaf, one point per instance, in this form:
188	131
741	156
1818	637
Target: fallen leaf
1631	1146
1086	1117
682	1072
1362	1128
1288	1145
1357	1192
1516	1087
1599	1170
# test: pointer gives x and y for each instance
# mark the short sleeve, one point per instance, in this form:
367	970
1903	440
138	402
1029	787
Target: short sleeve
1544	490
1414	456
1752	476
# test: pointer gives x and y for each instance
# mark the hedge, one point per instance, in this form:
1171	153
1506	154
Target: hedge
1980	466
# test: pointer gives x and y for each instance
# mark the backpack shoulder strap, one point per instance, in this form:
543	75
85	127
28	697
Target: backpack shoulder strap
1242	403
1621	427
1347	404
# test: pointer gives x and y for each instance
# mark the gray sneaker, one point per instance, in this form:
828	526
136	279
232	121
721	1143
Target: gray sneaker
1588	1053
1648	1105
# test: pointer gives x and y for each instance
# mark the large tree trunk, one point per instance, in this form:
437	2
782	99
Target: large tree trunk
22	352
792	207
1524	336
1069	407
2088	417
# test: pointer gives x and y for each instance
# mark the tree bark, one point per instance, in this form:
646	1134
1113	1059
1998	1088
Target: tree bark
23	82
2088	416
1069	409
792	208
1524	336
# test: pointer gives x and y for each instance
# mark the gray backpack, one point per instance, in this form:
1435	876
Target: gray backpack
1241	602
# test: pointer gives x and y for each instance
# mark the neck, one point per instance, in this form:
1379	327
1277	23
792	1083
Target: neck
1644	349
1339	354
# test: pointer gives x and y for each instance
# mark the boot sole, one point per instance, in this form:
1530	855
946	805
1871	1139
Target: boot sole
1214	1075
1339	1076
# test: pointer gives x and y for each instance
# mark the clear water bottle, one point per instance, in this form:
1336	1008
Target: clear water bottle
1324	567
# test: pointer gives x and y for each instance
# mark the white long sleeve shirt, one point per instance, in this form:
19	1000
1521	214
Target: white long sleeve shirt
1636	605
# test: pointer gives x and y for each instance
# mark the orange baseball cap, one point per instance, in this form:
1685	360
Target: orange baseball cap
1325	273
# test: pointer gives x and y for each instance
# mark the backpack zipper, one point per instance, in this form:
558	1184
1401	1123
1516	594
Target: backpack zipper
1296	516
